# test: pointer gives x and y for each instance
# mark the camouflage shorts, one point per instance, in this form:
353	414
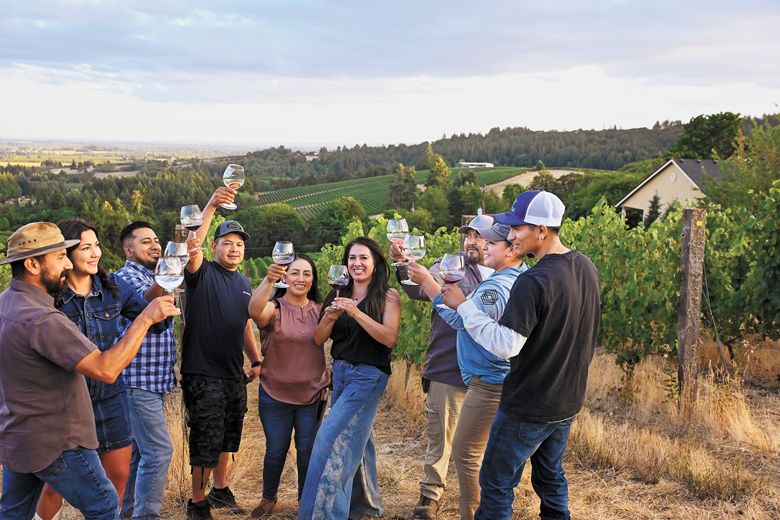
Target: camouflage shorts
215	416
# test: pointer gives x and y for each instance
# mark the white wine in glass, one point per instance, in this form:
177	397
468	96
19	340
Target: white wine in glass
283	254
233	178
414	249
397	229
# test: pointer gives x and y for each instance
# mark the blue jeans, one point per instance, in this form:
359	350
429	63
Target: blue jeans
77	475
152	451
279	419
342	481
511	442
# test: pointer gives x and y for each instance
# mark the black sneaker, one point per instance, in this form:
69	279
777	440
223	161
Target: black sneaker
224	499
426	508
198	510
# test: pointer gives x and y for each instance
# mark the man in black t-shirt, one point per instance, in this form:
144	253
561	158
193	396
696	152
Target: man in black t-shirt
217	334
548	332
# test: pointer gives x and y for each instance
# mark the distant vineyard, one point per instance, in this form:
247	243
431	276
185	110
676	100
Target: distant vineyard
372	192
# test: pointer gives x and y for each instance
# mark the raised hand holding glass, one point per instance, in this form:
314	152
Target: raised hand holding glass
283	254
233	178
414	249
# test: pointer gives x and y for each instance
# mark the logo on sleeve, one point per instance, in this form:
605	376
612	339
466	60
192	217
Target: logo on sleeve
489	297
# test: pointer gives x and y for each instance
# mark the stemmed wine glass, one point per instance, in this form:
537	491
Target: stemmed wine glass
233	178
177	250
338	277
191	217
452	269
169	274
283	254
397	229
414	249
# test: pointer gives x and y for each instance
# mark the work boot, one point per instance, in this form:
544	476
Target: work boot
265	508
198	510
224	499
426	508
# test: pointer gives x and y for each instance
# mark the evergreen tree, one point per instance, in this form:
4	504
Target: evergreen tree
440	173
654	211
403	188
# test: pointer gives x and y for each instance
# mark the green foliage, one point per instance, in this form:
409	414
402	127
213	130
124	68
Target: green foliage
435	201
708	136
510	193
267	224
403	187
419	218
440	173
654	211
332	222
749	173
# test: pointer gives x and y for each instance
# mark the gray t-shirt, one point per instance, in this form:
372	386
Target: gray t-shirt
44	405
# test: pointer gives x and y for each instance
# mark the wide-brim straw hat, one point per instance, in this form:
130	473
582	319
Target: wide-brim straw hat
36	238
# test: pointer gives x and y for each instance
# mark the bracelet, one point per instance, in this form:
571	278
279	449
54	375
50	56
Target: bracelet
257	364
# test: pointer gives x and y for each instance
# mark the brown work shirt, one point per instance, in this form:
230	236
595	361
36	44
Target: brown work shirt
293	365
44	405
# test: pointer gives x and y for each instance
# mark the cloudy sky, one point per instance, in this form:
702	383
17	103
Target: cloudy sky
377	72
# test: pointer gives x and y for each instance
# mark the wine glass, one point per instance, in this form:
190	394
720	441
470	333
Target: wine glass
452	269
414	249
338	277
283	254
191	217
397	229
233	178
177	250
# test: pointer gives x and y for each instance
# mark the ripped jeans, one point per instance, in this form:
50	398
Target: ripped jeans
341	481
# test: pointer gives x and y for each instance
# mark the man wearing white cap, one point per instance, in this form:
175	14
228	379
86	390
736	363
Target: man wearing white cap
548	332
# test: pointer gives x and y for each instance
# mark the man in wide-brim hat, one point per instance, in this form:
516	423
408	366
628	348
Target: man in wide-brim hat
47	429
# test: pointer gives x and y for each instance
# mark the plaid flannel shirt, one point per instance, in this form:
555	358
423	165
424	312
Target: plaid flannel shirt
152	367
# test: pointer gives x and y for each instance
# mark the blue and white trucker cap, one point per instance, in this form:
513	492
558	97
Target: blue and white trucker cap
535	207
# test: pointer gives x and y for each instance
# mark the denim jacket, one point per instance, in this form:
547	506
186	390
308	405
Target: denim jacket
96	316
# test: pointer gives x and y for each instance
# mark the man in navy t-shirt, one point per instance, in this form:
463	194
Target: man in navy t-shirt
548	332
217	334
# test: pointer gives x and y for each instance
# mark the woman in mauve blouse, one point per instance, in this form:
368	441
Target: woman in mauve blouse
293	373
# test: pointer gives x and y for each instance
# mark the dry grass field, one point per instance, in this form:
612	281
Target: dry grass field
632	454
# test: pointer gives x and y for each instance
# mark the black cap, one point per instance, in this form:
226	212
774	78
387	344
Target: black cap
230	226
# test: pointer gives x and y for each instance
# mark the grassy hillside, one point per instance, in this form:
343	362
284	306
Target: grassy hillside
372	192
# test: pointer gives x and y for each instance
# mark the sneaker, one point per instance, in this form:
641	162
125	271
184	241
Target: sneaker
198	510
265	508
426	508
224	499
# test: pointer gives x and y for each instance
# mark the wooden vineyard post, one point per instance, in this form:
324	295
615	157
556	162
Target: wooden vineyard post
689	315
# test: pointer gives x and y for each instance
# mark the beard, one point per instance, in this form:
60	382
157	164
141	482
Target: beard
55	286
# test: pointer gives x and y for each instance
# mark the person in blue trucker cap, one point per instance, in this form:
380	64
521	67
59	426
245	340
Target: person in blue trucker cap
548	333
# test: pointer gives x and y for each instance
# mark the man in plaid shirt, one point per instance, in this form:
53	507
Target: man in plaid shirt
147	379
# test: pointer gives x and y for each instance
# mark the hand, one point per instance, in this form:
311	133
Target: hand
332	313
161	308
222	195
193	246
452	296
275	272
417	273
252	374
347	305
397	253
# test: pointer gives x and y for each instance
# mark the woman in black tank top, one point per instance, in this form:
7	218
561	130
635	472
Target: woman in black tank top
363	324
